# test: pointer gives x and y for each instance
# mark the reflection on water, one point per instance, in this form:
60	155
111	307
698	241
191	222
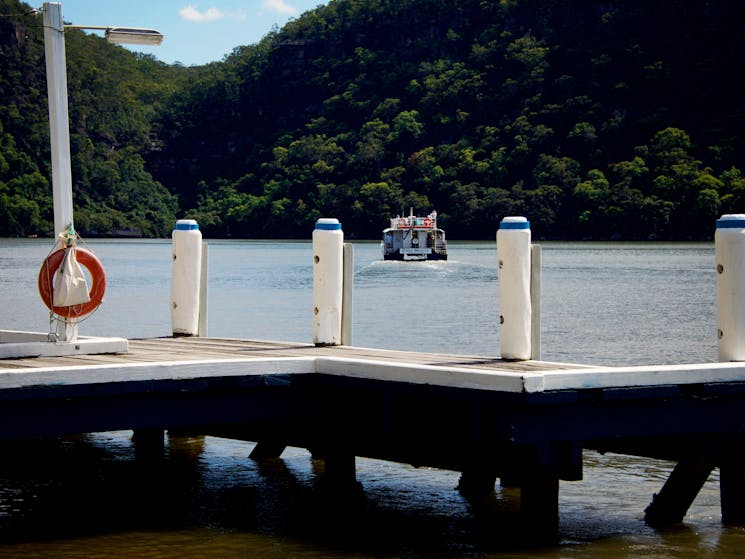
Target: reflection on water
90	496
206	498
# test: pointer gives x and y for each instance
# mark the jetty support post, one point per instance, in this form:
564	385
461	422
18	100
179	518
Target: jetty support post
328	282
149	444
326	290
670	505
340	474
347	300
539	505
186	278
729	251
535	302
513	254
203	276
267	450
732	484
537	471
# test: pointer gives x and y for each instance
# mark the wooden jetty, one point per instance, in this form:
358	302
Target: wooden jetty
524	422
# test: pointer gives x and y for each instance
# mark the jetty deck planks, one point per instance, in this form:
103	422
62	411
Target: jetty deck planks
205	349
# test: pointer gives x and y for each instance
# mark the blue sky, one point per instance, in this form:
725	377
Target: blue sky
196	32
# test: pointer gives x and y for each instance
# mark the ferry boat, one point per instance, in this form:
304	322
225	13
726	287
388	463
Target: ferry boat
414	238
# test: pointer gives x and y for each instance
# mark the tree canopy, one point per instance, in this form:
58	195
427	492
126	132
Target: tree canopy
608	120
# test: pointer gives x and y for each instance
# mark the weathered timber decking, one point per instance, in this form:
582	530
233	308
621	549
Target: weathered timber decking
181	357
194	356
524	422
219	349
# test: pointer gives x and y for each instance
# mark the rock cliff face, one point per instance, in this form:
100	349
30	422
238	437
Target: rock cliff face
12	34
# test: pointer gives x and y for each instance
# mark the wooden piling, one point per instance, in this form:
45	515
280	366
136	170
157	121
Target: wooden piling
535	302
539	505
338	480
347	299
267	450
203	299
149	443
732	486
477	482
670	505
341	468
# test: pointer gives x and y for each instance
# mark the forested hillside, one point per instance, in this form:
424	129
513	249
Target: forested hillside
615	119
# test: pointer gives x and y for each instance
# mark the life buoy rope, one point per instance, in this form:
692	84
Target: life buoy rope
98	279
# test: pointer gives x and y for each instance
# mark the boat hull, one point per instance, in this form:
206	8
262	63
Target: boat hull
414	258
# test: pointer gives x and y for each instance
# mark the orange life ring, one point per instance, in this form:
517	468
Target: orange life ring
98	278
427	222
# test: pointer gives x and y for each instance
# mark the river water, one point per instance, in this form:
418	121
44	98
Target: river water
605	304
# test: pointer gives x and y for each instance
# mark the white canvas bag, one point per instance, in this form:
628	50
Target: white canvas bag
70	283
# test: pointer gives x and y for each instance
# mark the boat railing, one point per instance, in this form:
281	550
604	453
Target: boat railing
412	221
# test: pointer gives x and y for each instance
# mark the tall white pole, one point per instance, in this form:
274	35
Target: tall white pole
59	130
59	125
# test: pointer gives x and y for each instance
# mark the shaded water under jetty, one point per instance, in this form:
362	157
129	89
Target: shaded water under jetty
609	304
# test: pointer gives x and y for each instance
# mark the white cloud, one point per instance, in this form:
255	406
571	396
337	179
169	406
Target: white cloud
279	6
191	13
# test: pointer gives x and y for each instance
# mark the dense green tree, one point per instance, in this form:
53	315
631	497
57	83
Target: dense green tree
608	120
113	96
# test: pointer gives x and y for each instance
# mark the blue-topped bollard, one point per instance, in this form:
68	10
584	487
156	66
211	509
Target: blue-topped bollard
513	254
328	281
186	271
729	251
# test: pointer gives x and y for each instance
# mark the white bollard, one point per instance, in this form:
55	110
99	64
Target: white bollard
513	253
729	251
328	282
186	270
